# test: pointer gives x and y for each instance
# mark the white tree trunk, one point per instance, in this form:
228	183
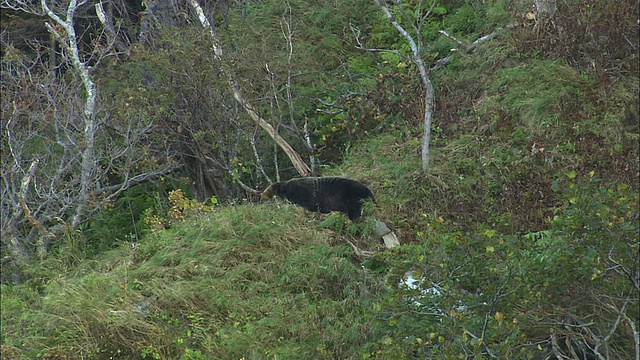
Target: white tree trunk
426	137
69	40
426	81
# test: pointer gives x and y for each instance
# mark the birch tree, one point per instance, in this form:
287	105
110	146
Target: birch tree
417	46
416	57
69	39
54	158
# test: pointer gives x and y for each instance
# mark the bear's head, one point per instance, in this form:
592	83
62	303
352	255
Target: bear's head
273	190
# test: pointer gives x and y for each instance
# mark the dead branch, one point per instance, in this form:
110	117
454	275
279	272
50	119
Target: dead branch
302	168
464	48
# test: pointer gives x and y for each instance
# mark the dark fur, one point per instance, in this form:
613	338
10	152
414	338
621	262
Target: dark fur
323	194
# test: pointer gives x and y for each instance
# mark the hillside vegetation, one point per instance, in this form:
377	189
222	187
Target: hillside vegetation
521	242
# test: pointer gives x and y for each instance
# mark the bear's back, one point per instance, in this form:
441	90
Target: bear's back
348	187
341	194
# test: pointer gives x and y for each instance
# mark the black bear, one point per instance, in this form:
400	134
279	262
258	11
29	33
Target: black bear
323	194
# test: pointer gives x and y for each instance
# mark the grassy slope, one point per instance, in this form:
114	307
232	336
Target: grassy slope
241	282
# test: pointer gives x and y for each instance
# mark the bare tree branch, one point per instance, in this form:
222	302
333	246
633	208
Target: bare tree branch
53	162
107	23
302	168
452	38
465	48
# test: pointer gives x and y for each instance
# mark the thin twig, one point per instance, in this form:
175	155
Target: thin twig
355	249
462	45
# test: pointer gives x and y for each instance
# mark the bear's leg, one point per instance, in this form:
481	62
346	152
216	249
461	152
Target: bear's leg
354	212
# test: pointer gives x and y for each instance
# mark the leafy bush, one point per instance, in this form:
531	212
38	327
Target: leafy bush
490	294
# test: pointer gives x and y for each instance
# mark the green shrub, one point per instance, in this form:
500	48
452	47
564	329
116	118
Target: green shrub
489	294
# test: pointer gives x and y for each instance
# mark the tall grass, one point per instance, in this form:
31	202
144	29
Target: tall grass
239	282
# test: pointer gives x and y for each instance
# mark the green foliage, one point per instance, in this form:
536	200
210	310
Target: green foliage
538	94
326	76
122	221
465	20
505	145
339	223
191	115
595	218
576	35
487	294
452	307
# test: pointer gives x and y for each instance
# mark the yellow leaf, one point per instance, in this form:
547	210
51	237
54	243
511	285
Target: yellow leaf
489	233
490	249
499	317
